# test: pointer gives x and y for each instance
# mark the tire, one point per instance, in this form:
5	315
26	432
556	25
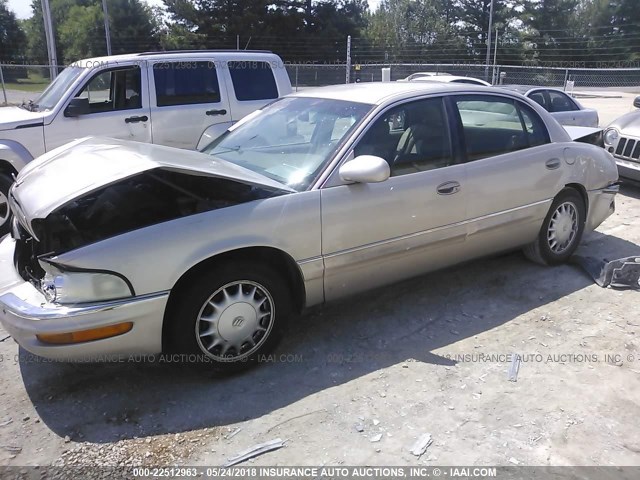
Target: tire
561	230
5	212
243	316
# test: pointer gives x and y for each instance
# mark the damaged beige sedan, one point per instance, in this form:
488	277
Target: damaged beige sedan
124	248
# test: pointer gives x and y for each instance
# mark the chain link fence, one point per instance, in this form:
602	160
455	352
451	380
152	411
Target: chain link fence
24	82
311	75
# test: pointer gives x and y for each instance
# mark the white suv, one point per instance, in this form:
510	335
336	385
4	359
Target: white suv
181	99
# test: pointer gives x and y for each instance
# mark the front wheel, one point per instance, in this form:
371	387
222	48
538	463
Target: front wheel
5	211
561	230
230	316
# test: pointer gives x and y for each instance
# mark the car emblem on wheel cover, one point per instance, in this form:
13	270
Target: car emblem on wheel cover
238	321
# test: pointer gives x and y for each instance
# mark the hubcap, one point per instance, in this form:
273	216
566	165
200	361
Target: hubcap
4	209
235	321
563	227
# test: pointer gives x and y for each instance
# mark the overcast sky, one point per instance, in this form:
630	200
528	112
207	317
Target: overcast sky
22	8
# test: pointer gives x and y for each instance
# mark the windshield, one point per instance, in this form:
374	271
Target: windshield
291	140
54	92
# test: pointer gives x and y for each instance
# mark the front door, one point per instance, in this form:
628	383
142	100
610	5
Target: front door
378	233
118	108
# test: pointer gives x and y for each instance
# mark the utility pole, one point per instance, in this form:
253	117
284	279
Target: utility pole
486	67
495	56
51	40
348	74
107	34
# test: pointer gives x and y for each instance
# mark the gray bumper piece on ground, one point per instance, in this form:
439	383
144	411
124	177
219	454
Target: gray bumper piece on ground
621	273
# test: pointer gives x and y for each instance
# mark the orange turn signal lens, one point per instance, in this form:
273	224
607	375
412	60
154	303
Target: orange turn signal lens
85	335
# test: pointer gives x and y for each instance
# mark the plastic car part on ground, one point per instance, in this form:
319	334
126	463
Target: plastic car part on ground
621	273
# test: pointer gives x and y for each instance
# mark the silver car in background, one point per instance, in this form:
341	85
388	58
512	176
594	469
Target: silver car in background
622	140
126	248
562	106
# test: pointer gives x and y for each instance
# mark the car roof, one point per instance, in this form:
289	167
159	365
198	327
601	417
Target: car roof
377	93
174	55
524	89
445	78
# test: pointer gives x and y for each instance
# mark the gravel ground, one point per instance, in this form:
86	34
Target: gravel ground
357	382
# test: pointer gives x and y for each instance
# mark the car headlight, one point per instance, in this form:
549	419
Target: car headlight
79	287
610	136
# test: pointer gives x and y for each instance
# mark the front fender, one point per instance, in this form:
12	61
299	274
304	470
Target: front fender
15	154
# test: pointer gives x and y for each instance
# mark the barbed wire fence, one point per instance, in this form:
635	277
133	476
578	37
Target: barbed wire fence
21	81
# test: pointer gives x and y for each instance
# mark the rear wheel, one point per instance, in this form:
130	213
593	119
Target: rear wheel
5	212
561	230
230	316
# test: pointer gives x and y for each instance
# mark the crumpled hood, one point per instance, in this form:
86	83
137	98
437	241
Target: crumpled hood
628	124
84	165
12	117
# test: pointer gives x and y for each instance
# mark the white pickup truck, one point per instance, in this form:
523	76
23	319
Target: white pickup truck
181	99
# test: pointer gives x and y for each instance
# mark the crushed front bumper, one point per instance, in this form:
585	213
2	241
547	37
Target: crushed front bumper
25	313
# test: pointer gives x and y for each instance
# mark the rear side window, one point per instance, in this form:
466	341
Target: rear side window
185	83
494	126
253	80
561	102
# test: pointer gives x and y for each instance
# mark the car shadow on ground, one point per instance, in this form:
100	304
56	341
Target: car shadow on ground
325	347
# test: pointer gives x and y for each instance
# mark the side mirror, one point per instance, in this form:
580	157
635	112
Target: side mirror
77	107
365	169
636	102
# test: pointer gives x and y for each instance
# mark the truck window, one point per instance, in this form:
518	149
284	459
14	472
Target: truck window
185	83
253	80
113	90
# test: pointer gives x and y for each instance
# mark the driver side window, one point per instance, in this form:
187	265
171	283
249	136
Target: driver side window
412	137
113	90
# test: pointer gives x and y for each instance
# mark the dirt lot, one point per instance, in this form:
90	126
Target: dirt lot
358	381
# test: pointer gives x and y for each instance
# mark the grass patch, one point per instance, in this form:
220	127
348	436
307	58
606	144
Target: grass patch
34	83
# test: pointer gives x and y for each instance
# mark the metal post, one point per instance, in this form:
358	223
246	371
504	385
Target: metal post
296	78
495	56
107	34
348	73
237	42
51	40
566	79
4	91
486	68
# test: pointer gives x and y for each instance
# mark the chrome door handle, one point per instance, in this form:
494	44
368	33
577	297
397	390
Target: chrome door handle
143	118
552	163
448	188
216	112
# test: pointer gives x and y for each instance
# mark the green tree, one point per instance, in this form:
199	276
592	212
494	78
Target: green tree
296	29
553	29
79	28
12	37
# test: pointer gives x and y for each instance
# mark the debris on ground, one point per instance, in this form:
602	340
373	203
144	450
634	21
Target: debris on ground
376	438
11	448
255	451
514	368
621	273
421	444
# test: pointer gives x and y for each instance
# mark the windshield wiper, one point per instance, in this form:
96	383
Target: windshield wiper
30	106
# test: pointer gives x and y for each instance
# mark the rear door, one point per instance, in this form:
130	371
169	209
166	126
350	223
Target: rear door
187	96
118	108
513	171
563	108
252	85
